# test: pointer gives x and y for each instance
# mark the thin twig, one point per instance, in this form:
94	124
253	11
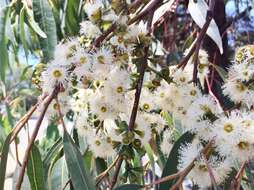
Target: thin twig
155	4
66	184
236	183
114	179
16	152
20	124
60	114
104	173
46	103
186	171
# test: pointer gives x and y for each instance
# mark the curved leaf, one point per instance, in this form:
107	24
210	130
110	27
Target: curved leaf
4	13
44	16
33	24
198	11
4	157
129	187
22	31
35	170
80	178
59	175
172	161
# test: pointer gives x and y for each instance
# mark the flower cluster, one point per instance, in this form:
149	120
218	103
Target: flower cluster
98	85
239	85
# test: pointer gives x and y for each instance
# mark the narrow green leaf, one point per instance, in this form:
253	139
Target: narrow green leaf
80	178
71	16
4	13
172	161
44	16
129	187
33	24
35	170
22	31
52	152
59	175
4	157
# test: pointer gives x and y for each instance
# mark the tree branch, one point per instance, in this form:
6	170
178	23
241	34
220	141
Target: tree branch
46	103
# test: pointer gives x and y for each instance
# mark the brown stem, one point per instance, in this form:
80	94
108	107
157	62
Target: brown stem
100	177
138	91
46	103
16	152
60	114
102	37
236	183
147	11
133	7
66	184
114	179
187	170
198	45
20	124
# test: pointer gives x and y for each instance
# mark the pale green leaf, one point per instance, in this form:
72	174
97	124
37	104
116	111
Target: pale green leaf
44	16
4	14
35	170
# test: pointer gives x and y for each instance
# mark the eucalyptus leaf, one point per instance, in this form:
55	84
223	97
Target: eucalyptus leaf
33	24
198	11
22	31
80	178
35	170
59	175
44	16
3	163
4	14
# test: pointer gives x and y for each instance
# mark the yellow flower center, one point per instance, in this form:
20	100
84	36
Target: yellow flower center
243	145
241	87
97	142
146	106
82	60
103	109
57	73
55	106
120	39
228	127
205	108
101	59
203	168
182	79
239	56
119	89
193	92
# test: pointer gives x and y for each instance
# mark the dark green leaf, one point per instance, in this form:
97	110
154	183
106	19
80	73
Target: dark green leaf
35	170
101	165
172	161
22	31
44	16
80	178
129	187
4	157
4	14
